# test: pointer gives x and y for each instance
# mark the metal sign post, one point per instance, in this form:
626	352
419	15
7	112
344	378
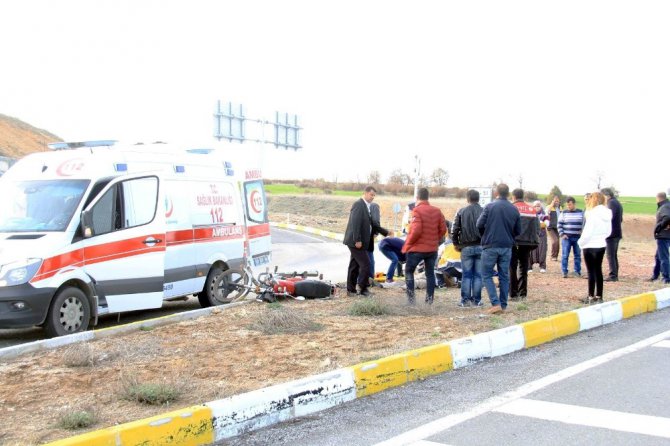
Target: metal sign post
485	195
230	123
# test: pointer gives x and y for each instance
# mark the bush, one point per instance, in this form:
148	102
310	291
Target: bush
369	307
152	393
78	419
281	320
78	355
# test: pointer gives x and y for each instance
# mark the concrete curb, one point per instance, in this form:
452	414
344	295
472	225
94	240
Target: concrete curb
226	418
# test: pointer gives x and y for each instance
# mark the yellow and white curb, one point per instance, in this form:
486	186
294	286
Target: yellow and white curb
226	418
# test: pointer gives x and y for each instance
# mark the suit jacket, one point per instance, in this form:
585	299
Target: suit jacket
361	227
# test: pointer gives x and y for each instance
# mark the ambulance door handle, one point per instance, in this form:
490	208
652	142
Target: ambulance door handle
150	241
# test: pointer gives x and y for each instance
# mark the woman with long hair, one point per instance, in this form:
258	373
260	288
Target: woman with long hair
597	227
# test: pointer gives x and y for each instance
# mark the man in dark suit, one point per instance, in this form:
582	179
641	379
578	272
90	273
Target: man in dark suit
359	238
615	236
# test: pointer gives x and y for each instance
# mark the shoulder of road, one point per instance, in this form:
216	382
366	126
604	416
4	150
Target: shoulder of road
217	420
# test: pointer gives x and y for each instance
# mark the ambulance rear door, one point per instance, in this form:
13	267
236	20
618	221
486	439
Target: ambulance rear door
256	215
124	244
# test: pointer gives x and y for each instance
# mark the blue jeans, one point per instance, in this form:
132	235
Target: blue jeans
471	263
413	259
566	244
500	258
663	253
393	257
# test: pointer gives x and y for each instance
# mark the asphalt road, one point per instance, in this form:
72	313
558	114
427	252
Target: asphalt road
292	251
583	389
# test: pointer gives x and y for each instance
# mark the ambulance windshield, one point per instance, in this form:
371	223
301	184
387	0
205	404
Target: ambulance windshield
39	205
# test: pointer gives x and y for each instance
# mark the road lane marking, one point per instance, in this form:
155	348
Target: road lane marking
427	443
444	423
302	234
587	416
665	344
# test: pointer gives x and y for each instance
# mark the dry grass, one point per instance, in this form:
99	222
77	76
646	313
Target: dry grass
280	320
77	419
160	391
369	307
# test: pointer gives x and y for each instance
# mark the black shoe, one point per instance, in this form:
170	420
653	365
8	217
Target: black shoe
652	279
611	279
366	293
565	275
351	293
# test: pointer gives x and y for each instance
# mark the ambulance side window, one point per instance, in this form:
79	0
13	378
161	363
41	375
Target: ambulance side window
140	197
128	204
102	213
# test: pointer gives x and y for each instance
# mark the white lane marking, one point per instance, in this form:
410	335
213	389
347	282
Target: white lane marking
442	424
302	234
665	344
586	416
427	443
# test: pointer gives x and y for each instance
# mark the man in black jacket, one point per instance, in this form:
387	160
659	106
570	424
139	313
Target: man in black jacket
615	236
467	240
662	235
524	243
499	224
359	237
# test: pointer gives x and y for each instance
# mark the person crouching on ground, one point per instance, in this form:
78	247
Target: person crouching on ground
426	228
391	247
593	241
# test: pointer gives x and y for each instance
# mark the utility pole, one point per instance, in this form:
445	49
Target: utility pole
417	174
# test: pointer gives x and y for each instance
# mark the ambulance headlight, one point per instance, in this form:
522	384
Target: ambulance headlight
17	273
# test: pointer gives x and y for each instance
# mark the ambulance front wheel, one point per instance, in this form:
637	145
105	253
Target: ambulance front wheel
69	313
222	287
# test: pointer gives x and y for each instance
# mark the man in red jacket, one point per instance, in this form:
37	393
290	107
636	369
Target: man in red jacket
426	228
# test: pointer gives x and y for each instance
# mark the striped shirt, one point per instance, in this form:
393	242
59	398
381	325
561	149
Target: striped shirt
571	222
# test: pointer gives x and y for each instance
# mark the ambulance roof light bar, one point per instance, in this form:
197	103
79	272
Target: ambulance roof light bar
76	145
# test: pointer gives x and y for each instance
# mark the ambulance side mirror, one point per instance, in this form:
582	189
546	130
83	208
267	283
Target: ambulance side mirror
87	223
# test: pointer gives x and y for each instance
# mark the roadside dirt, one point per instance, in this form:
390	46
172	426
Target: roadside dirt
225	353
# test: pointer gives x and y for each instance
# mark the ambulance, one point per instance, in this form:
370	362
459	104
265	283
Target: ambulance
98	227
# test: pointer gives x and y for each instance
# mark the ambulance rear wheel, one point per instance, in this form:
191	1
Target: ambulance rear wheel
222	287
70	312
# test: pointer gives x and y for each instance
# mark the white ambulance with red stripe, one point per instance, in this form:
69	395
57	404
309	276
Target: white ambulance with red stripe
98	227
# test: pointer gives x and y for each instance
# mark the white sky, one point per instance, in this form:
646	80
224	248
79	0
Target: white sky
487	90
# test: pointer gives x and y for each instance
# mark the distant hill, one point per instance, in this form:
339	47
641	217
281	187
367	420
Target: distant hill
18	138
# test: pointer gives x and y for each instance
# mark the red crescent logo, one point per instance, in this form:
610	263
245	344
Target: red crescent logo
170	208
256	202
70	167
